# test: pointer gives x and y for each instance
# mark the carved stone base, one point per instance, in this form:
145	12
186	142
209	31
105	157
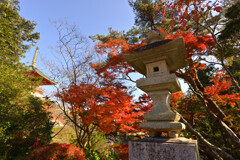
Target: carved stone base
163	149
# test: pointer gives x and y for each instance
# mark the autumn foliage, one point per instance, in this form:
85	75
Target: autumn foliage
123	151
110	108
55	151
116	65
109	105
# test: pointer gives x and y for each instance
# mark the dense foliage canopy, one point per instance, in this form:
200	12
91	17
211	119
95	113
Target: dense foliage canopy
24	122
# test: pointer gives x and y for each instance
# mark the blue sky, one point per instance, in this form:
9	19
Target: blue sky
91	16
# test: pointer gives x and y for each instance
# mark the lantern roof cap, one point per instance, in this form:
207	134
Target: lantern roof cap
173	51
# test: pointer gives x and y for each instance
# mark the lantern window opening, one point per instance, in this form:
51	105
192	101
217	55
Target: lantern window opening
155	69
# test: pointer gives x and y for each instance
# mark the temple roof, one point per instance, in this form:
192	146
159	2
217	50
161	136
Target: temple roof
34	72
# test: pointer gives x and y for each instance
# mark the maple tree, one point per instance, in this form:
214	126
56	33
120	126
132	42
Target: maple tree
71	69
109	108
94	102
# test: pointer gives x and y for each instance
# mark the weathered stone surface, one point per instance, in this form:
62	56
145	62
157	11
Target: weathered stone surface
161	126
159	84
163	149
160	65
161	110
162	117
166	82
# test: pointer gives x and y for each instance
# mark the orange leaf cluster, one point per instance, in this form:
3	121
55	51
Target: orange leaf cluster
195	45
222	83
115	65
109	107
188	105
56	151
123	151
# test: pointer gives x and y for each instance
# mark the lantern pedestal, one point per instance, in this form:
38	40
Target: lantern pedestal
163	149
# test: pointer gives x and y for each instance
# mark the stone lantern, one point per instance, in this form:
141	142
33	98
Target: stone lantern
156	60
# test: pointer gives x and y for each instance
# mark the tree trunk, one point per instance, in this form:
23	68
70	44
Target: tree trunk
208	147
